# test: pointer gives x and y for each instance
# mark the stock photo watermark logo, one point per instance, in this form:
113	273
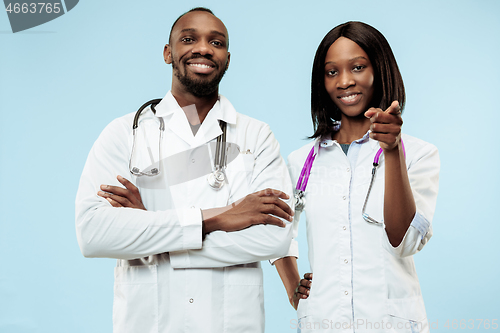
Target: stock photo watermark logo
25	15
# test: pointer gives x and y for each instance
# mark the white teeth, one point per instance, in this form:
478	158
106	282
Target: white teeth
200	65
349	98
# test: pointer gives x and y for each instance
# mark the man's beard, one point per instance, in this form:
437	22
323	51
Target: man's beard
199	88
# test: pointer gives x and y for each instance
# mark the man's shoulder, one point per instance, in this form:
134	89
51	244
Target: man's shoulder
239	121
118	127
247	121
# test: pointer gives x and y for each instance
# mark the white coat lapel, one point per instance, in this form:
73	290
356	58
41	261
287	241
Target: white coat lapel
179	125
210	128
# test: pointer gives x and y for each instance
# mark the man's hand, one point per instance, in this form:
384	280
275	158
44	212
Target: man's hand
263	207
302	290
122	197
386	126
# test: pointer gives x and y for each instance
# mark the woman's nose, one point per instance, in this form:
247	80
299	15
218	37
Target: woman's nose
345	80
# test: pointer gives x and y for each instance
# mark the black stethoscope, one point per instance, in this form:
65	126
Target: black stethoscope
216	179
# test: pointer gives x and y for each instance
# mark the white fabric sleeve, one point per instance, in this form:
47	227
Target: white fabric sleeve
126	233
293	251
423	173
256	243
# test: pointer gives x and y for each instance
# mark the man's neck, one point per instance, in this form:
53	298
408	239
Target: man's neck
202	105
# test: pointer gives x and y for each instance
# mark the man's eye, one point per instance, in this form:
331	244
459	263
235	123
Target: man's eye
217	43
186	40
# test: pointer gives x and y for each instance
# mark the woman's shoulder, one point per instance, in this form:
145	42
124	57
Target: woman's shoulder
297	157
417	148
414	142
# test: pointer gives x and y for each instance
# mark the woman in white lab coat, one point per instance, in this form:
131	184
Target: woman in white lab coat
360	245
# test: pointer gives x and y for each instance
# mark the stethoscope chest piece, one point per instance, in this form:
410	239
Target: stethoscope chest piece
216	179
299	200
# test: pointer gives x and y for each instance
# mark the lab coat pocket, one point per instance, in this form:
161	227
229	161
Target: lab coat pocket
303	308
243	299
135	306
407	315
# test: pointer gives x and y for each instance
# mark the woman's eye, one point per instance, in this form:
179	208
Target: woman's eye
331	72
358	68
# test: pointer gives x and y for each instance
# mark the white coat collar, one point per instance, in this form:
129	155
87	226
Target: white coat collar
176	121
327	142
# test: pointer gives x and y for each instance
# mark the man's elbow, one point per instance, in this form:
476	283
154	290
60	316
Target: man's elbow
88	248
281	244
91	244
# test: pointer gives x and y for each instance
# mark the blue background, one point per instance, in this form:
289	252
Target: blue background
61	83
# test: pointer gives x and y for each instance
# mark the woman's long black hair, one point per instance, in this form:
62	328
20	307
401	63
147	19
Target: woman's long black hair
388	82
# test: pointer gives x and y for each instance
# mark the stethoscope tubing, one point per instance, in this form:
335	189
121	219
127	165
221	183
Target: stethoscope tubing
300	188
217	179
153	103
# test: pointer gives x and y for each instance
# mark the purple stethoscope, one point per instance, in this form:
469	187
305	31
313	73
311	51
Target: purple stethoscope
300	189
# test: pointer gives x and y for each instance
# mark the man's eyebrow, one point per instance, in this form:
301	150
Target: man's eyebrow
215	32
188	30
350	60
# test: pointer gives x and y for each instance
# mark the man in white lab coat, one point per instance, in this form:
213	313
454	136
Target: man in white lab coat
188	254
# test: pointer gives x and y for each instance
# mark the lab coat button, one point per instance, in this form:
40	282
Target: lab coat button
346	261
192	207
191	300
192	161
345	292
344	197
344	228
348	169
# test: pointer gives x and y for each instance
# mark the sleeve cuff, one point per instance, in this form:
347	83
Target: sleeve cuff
293	251
415	238
191	222
421	224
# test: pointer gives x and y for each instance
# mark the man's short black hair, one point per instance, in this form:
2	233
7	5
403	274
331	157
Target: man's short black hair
196	9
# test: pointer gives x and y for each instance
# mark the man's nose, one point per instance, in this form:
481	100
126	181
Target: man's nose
202	47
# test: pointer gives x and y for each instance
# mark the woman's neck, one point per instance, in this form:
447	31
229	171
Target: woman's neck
351	129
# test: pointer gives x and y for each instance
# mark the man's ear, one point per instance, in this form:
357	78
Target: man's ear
167	54
228	59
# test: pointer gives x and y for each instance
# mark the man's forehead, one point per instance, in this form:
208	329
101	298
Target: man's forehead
200	21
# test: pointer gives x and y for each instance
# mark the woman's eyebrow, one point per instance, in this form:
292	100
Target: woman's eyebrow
357	58
350	60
